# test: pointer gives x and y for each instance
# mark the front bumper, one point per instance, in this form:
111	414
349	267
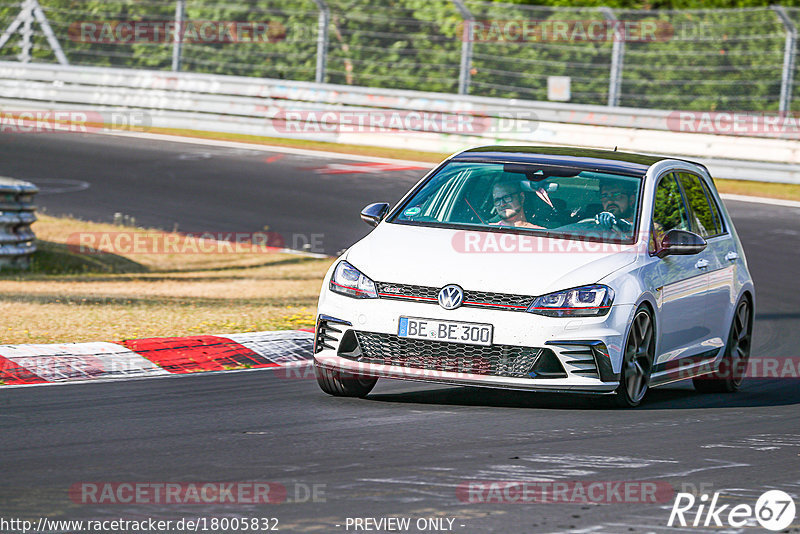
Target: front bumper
359	336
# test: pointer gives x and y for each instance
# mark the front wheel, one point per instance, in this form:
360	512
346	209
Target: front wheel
637	363
342	384
728	377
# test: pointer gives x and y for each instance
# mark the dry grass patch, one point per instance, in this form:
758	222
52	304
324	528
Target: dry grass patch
759	189
71	297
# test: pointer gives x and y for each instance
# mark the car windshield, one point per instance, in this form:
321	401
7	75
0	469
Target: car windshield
547	200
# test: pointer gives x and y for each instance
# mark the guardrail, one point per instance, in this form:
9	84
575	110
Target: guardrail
16	216
259	106
664	58
185	91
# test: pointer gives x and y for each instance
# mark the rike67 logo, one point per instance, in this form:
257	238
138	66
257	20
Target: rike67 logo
774	510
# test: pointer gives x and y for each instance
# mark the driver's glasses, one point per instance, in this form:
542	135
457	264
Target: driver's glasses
499	201
611	195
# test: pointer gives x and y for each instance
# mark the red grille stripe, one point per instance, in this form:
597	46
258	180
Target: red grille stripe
405	296
465	302
498	305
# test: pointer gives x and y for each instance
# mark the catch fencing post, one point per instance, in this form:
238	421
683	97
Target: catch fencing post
787	78
466	47
48	32
177	43
32	10
617	55
322	40
27	32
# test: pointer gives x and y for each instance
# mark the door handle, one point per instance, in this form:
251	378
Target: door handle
701	264
731	256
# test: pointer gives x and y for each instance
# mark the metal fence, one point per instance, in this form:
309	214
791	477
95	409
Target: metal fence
16	216
737	59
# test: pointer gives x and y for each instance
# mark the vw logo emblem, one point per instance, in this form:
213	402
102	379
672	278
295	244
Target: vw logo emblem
451	297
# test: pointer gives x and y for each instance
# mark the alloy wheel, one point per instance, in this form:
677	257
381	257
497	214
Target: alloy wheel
639	355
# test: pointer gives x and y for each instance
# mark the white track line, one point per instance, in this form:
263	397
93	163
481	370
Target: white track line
761	200
357	157
270	148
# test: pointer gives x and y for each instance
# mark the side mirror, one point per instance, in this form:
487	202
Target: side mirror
374	213
681	243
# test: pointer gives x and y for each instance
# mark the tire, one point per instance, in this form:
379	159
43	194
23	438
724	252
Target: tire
730	373
341	384
637	361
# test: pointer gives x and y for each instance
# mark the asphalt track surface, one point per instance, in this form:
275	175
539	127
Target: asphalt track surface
405	449
201	188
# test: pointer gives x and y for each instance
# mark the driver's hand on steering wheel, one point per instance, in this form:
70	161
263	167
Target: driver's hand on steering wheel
608	221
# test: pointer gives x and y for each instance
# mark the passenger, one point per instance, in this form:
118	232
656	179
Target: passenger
618	206
509	204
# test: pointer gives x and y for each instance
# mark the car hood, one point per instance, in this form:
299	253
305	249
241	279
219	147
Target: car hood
484	261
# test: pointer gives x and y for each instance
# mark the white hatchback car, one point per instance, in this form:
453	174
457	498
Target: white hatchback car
547	269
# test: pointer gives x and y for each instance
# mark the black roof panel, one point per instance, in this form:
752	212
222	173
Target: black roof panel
583	158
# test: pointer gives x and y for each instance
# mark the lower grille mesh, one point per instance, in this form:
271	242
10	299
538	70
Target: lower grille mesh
496	360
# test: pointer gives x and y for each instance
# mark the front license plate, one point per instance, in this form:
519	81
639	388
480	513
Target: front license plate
449	331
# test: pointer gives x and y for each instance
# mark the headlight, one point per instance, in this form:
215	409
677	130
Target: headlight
586	301
347	280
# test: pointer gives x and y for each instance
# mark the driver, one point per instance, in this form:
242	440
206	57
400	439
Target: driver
618	204
509	204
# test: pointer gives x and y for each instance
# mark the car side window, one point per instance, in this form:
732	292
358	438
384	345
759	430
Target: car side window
669	211
714	210
703	220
